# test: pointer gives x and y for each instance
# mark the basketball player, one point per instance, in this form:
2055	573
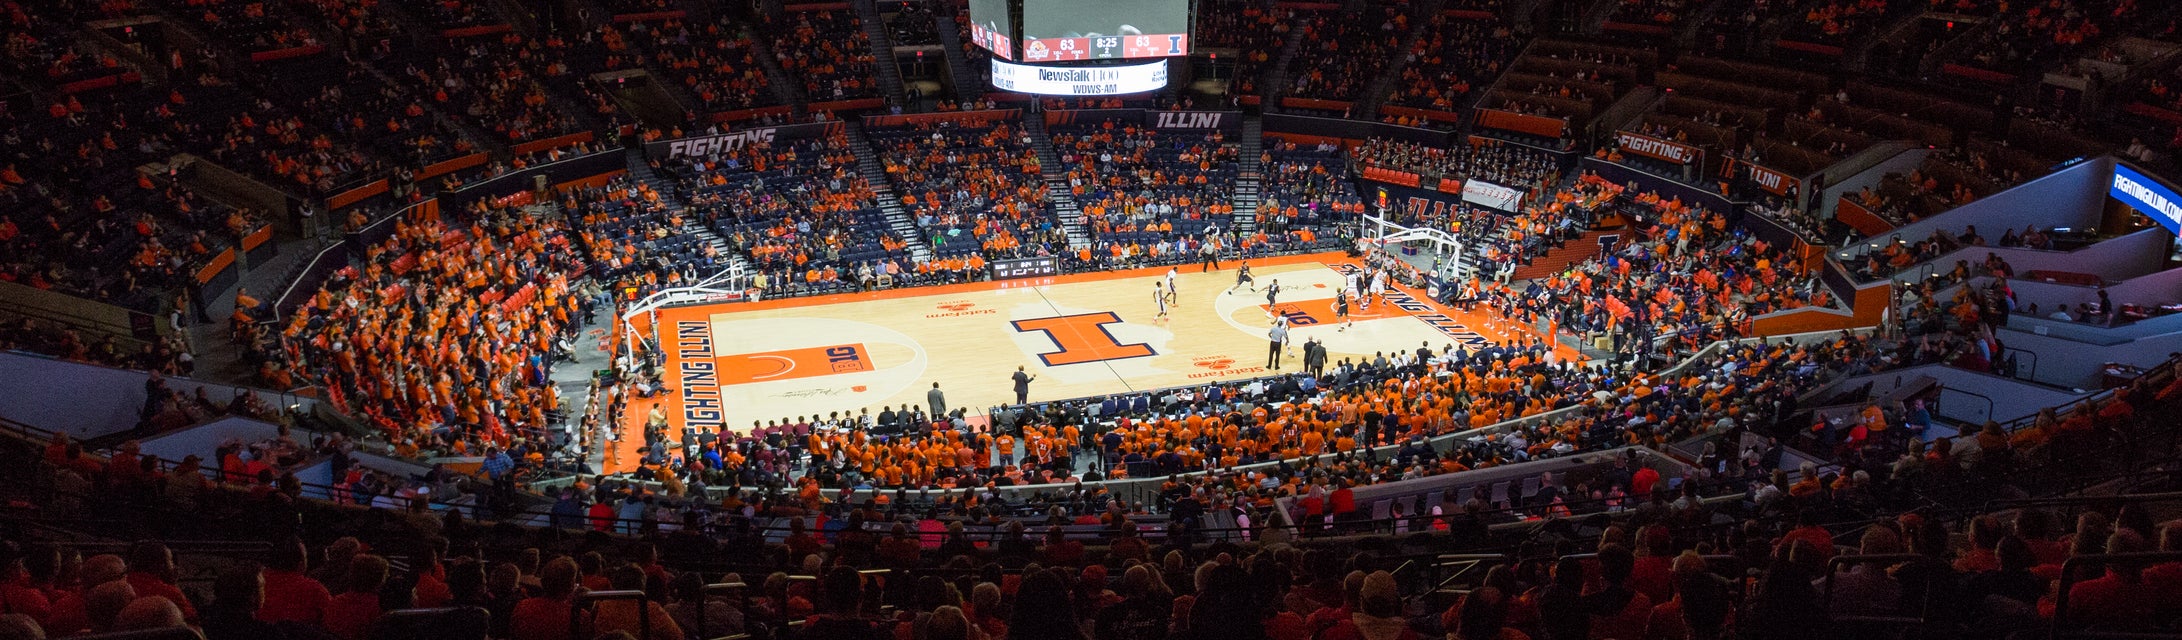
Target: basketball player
1170	286
1159	298
1242	277
1341	309
1378	284
1272	297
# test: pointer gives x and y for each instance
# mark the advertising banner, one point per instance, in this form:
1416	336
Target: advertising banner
1079	81
1487	194
1011	268
1522	123
1658	149
2147	196
733	140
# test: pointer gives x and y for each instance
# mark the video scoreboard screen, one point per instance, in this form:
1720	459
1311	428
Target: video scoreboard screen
991	27
1070	30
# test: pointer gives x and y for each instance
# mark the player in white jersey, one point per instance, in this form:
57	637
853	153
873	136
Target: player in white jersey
1159	299
1170	286
1378	284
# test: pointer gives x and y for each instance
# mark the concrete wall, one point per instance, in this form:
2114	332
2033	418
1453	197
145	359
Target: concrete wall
2160	288
2011	399
2138	254
2073	363
87	401
2071	197
1830	198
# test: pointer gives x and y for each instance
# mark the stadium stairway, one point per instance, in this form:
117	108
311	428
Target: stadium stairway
670	194
786	87
1375	93
1556	260
1058	194
882	55
967	86
1250	177
874	171
1276	76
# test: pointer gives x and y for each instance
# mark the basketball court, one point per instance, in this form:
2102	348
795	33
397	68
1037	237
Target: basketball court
738	363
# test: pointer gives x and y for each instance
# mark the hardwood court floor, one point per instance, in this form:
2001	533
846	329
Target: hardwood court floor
733	364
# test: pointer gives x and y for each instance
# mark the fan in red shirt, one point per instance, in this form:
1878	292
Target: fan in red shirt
291	596
2120	599
547	617
349	616
16	594
152	574
1808	530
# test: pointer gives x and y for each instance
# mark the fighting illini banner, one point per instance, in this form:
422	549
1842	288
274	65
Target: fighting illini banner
1658	149
1228	121
1773	182
733	140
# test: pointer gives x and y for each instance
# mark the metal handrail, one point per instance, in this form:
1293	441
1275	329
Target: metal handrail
2069	569
2004	351
1833	568
1988	399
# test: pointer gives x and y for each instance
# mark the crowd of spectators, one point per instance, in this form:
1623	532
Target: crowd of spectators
1510	165
1547	222
96	225
971	188
798	209
1342	54
1662	13
828	50
714	61
359	21
251	26
1451	58
1837	21
1257	32
488	82
910	25
2045	31
1304	191
1669	568
444	337
1139	184
1681	272
447	14
1903	198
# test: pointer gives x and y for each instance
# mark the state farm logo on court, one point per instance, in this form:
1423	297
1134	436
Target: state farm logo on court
1215	363
958	308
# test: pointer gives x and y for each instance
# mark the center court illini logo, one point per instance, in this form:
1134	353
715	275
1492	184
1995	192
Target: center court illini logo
1083	338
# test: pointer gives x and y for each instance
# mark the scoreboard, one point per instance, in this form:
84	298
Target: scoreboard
1080	30
1105	47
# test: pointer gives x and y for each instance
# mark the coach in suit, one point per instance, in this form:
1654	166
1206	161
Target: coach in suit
938	401
1314	357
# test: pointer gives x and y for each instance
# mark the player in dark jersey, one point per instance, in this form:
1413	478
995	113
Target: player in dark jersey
1341	309
1242	277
